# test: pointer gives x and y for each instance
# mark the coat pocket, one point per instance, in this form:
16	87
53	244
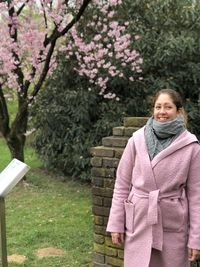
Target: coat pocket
129	216
173	214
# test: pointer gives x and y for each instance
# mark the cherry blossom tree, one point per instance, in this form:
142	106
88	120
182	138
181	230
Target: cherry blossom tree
29	34
32	32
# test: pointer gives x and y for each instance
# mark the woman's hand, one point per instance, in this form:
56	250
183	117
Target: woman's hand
117	238
193	254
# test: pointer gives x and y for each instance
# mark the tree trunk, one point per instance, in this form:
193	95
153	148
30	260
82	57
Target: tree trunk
16	144
15	135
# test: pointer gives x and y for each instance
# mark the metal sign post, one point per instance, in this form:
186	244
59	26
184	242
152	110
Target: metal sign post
9	177
3	233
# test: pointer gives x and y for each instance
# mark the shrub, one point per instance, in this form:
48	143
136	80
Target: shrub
69	121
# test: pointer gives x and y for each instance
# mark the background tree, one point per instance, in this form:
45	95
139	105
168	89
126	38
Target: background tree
95	71
166	34
29	33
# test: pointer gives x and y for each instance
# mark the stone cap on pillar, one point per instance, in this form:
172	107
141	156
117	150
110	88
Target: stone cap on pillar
135	121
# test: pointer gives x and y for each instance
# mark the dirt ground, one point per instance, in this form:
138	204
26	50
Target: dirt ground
40	253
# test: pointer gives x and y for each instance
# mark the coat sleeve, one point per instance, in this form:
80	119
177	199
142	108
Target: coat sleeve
193	194
121	189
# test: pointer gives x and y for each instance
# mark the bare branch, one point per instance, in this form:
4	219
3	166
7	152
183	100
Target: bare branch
44	14
45	69
13	35
76	18
21	8
56	34
66	2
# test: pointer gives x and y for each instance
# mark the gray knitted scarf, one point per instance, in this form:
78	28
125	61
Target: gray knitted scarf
159	135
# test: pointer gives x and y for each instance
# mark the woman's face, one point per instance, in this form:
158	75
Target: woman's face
164	109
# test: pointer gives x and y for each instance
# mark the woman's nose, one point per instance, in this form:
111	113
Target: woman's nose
162	110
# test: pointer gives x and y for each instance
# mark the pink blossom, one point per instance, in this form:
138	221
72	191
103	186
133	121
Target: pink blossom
111	14
109	53
137	37
97	37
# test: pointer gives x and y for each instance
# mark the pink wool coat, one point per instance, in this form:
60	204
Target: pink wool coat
157	203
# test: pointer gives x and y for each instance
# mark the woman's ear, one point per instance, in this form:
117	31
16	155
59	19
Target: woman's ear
180	111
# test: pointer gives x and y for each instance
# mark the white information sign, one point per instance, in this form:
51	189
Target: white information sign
11	175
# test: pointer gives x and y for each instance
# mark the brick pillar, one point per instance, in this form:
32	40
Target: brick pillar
104	162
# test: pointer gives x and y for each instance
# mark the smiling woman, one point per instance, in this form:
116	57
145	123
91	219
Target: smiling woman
156	205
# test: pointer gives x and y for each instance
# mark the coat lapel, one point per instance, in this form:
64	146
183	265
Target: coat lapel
183	140
142	154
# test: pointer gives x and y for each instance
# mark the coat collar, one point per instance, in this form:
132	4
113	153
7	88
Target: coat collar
184	139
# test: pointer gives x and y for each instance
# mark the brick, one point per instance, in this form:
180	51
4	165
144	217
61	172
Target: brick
99	229
97	200
99	248
118	131
99	258
104	192
108	243
101	151
100	265
107	202
110	162
105	221
98	172
98	181
119	152
103	211
96	162
135	121
120	253
114	261
98	220
111	251
103	172
113	141
128	131
109	183
100	239
110	172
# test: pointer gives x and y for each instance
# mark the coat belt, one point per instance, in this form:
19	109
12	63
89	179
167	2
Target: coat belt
154	216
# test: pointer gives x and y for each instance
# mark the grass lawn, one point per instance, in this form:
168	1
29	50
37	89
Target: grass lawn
45	212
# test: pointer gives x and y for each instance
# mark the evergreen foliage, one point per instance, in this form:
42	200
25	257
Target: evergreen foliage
74	118
169	44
